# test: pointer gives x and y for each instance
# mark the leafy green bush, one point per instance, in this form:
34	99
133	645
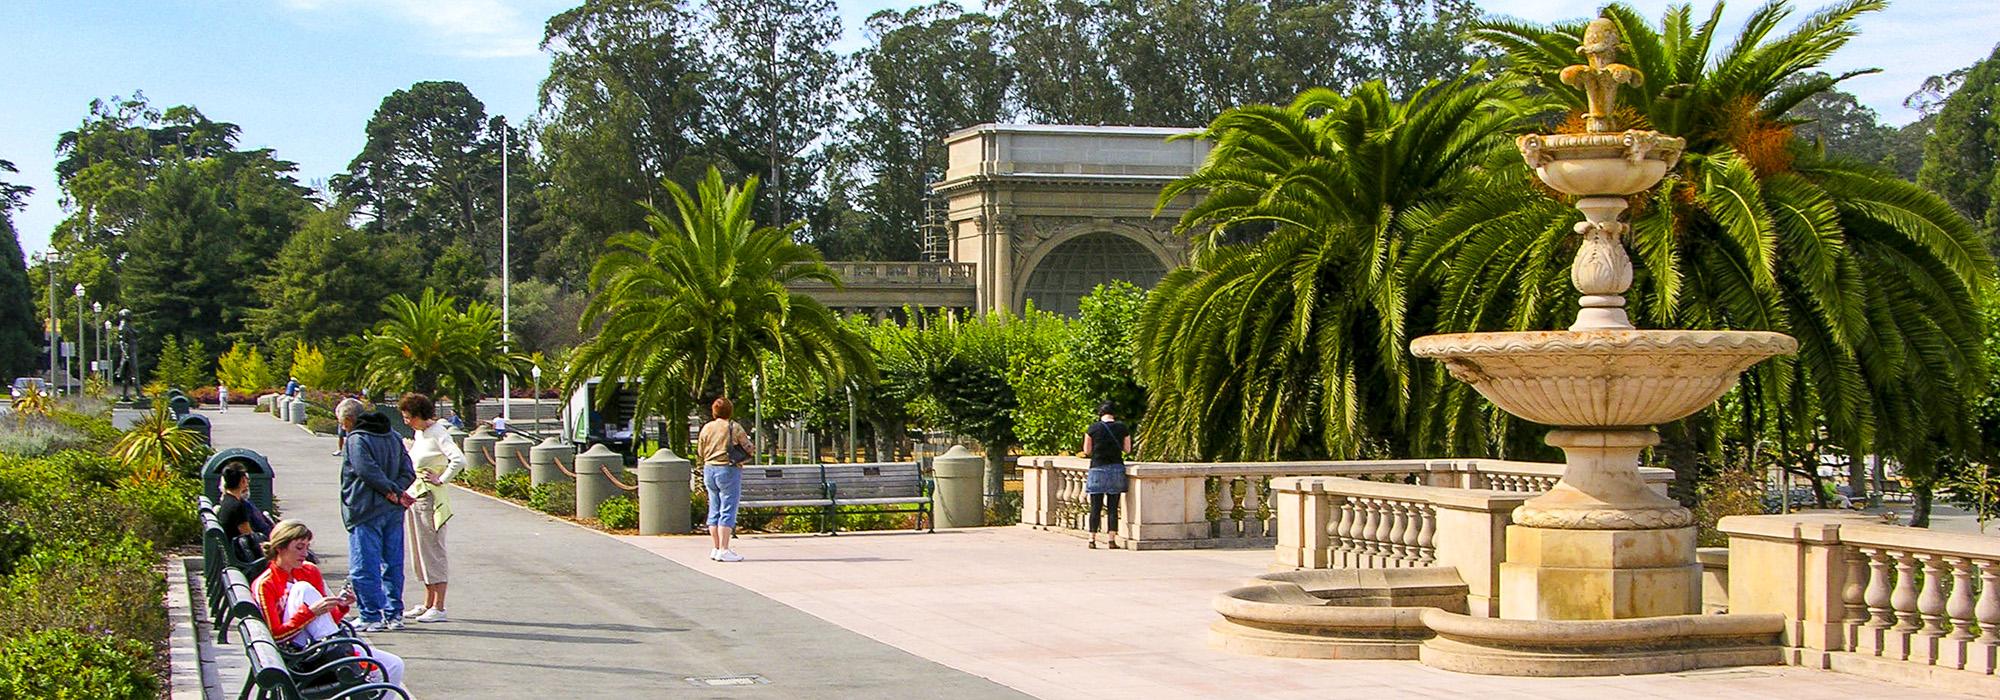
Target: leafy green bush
619	513
98	432
64	664
37	436
107	586
554	498
514	486
168	507
477	477
323	425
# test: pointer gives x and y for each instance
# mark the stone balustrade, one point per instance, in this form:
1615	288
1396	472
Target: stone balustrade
875	273
1905	604
1231	504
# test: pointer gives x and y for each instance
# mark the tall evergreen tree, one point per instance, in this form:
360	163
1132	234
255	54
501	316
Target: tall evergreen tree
20	329
1960	157
776	81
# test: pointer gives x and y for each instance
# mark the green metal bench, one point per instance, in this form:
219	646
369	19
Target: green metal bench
887	487
273	678
787	486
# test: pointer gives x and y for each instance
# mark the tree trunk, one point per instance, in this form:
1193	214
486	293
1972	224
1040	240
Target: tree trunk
1920	510
996	472
1680	450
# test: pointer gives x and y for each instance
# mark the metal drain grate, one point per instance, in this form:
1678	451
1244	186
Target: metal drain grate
727	681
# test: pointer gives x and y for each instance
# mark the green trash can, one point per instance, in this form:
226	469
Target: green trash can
258	468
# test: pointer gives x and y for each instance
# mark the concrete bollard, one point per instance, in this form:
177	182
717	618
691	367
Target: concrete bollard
264	402
479	449
511	455
299	412
279	406
958	500
543	465
663	494
592	486
457	438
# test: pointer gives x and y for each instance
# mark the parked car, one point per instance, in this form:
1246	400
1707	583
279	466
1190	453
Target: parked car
22	384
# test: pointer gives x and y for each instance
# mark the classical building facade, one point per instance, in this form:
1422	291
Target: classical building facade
1039	214
1044	214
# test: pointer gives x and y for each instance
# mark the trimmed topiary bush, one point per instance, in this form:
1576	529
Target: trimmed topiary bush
554	498
69	665
619	513
514	486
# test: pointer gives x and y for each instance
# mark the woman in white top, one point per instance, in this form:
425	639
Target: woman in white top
437	460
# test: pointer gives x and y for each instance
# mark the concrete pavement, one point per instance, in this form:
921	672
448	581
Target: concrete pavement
542	608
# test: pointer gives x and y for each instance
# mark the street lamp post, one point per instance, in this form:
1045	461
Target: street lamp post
535	371
49	259
506	285
96	312
80	330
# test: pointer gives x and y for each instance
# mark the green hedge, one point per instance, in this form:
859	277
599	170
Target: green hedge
514	486
61	664
619	512
554	498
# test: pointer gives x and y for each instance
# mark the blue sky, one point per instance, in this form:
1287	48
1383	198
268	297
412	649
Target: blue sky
302	76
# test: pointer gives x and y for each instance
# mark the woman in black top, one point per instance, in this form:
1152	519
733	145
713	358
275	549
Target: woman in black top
1106	441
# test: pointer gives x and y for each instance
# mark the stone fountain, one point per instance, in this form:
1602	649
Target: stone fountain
1599	575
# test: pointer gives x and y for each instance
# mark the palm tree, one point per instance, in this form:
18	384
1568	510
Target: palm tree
687	308
1294	344
427	345
1754	229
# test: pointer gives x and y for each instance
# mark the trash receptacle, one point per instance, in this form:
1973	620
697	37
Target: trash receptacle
198	424
957	500
258	468
664	494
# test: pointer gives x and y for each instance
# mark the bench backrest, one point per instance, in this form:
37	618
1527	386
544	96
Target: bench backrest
777	482
267	664
875	479
242	598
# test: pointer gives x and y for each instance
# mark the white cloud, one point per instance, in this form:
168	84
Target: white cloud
471	28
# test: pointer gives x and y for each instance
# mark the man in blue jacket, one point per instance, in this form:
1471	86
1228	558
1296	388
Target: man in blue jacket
373	480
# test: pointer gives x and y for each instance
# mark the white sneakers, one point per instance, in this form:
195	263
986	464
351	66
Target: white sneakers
423	614
724	555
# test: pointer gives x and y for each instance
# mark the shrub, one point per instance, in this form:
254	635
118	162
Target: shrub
477	477
169	509
102	586
156	448
554	498
321	424
64	665
619	513
33	436
98	432
514	486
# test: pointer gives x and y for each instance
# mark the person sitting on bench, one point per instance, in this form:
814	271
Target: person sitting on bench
293	597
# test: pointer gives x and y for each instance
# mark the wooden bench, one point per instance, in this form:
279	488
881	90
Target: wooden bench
273	678
787	486
891	487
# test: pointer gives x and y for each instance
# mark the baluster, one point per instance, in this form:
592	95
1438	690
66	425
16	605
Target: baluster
1855	610
1371	519
1350	522
1952	649
1336	512
1985	651
1427	552
1378	534
1267	517
1412	554
1223	509
1930	608
1880	615
1239	506
1903	600
1398	523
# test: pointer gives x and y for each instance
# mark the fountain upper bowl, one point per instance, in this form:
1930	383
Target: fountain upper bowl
1602	378
1601	164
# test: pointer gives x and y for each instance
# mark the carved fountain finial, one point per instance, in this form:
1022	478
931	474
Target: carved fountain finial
1599	76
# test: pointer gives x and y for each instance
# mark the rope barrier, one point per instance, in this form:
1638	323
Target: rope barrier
614	479
564	467
490	461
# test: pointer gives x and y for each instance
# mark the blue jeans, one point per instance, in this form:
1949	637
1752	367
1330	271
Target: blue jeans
375	567
725	488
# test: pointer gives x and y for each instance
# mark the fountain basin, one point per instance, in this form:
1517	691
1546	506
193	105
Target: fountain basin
1601	164
1602	378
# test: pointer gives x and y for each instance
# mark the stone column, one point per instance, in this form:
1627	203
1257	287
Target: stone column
1163	506
664	492
543	465
1302	507
511	455
479	448
592	486
1796	566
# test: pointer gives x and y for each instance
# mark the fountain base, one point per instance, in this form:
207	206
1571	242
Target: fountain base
1567	574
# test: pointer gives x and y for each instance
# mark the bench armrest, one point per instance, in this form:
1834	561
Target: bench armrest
329	641
371	688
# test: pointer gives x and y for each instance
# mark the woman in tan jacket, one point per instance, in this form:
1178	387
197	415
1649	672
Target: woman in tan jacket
723	475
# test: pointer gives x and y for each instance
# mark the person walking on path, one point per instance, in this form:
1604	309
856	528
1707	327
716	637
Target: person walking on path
723	446
1106	441
222	397
437	460
374	479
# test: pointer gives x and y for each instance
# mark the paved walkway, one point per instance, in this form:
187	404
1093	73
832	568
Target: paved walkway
542	608
546	608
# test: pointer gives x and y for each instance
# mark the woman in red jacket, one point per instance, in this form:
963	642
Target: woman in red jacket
294	598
